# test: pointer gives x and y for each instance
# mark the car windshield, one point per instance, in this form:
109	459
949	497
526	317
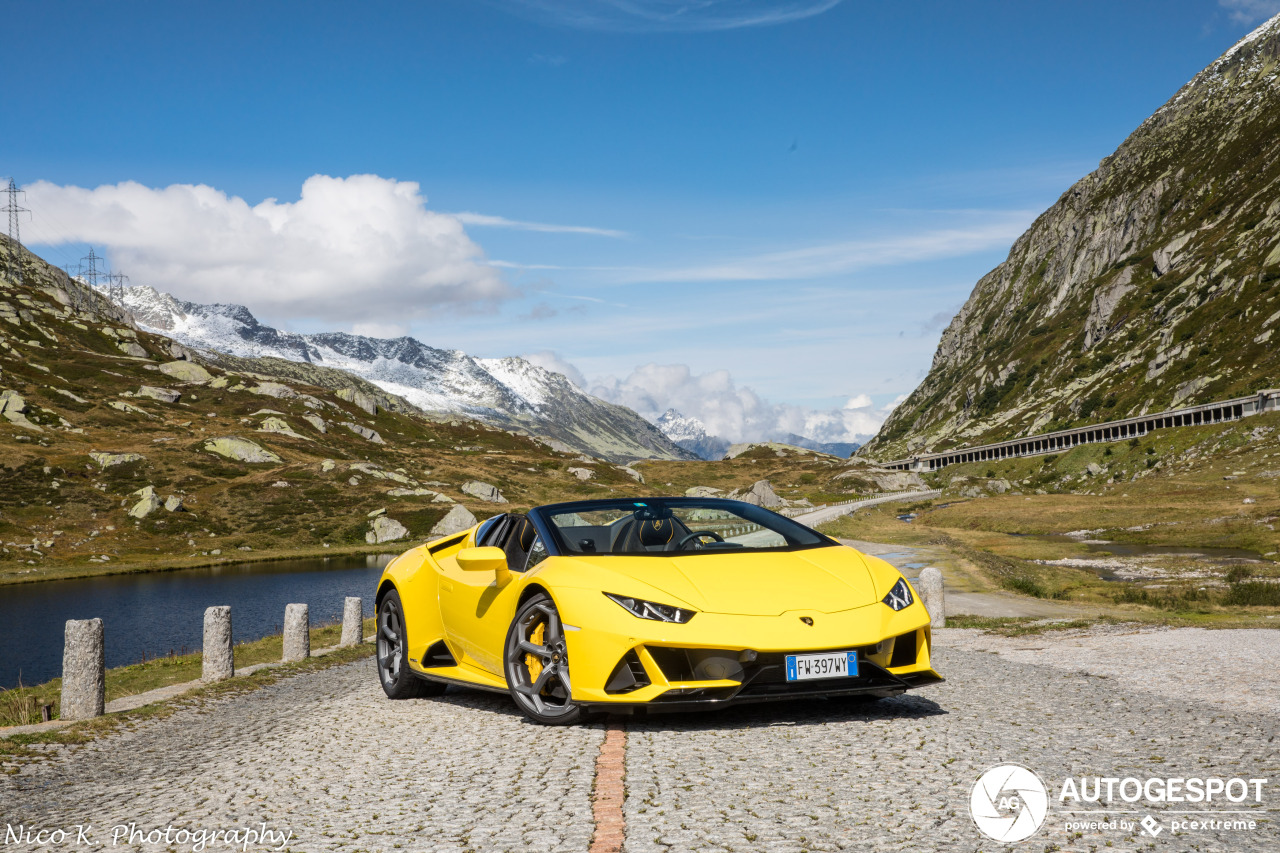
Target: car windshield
666	525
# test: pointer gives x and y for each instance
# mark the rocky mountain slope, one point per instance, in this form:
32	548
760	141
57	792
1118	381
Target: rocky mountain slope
510	393
1153	282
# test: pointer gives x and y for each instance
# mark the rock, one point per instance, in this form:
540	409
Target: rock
385	529
929	585
999	486
297	632
582	473
359	399
186	371
217	663
327	465
148	503
317	422
632	473
164	395
240	449
273	389
69	395
971	492
1093	469
377	512
12	406
458	519
279	426
352	621
131	348
412	493
380	473
173	503
702	492
125	407
442	499
483	491
364	432
220	382
1249	501
760	494
108	460
83	670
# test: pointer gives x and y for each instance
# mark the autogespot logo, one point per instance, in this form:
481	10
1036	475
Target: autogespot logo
1008	803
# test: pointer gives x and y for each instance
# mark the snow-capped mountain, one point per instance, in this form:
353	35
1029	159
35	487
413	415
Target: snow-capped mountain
691	434
507	392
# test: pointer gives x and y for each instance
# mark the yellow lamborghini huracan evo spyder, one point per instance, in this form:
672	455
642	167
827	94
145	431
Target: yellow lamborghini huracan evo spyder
662	603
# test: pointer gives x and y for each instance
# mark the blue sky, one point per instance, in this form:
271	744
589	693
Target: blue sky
778	205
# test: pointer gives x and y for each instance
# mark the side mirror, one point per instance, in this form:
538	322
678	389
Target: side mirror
487	559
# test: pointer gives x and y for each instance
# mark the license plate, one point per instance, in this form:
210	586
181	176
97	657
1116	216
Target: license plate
824	665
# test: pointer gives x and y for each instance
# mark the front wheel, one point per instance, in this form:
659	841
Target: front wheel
392	651
537	664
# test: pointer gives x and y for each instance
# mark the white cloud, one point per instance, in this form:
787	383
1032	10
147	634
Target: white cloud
362	249
732	411
1250	11
843	257
482	220
668	15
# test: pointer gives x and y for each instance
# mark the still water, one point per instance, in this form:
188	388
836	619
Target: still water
150	614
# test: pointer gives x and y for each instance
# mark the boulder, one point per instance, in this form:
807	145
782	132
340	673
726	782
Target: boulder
1093	469
999	486
327	465
173	503
125	407
12	406
458	519
273	389
412	493
632	473
702	492
760	494
148	502
279	426
582	473
186	371
359	399
364	432
483	491
385	529
240	449
164	395
131	348
109	460
317	422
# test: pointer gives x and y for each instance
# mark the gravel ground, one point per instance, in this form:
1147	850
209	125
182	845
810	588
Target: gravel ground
327	756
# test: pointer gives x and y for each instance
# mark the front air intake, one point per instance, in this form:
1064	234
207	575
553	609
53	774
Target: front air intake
904	650
628	675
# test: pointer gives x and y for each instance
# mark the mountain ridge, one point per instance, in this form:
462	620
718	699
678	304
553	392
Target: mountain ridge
1148	284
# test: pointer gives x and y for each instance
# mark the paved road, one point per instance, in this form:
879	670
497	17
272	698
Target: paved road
326	756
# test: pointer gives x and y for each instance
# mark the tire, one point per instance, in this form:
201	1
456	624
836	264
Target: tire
536	664
398	681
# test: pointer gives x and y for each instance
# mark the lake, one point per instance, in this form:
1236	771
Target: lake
149	614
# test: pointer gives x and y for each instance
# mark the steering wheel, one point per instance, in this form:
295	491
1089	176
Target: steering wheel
698	534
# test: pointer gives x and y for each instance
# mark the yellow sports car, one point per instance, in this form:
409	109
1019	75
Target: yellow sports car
657	603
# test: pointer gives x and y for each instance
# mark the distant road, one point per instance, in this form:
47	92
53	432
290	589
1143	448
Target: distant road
830	513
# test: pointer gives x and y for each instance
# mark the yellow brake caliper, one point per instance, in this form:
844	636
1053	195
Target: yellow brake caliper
532	661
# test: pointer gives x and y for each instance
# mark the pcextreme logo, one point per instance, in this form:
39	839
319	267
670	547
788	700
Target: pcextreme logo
1009	803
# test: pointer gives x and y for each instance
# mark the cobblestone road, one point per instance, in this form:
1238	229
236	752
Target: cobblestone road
327	756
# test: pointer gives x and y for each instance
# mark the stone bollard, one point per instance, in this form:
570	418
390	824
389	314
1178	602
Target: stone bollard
217	662
297	632
83	665
929	585
352	621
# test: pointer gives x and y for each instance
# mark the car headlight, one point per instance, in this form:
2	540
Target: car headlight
899	598
651	609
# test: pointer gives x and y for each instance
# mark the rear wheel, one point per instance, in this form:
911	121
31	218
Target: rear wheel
537	664
393	662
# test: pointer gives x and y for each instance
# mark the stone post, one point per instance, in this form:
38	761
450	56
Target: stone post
297	632
929	585
217	662
352	621
83	670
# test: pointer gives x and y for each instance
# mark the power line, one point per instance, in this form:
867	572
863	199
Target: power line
115	287
91	275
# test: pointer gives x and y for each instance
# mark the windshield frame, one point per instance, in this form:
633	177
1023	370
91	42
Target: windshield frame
554	543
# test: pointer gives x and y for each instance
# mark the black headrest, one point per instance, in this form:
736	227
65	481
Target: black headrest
657	531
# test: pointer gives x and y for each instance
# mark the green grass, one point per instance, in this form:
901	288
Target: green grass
1019	626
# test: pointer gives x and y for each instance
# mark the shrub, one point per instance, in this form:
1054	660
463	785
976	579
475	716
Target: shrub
1024	585
1253	594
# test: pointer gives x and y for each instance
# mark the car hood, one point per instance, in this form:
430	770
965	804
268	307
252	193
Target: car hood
767	583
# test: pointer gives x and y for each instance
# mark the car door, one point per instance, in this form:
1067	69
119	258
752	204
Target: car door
475	608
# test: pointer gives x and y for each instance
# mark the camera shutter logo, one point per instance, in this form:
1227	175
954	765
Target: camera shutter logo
1008	803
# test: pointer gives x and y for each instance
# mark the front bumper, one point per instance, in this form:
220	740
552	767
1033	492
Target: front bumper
620	661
